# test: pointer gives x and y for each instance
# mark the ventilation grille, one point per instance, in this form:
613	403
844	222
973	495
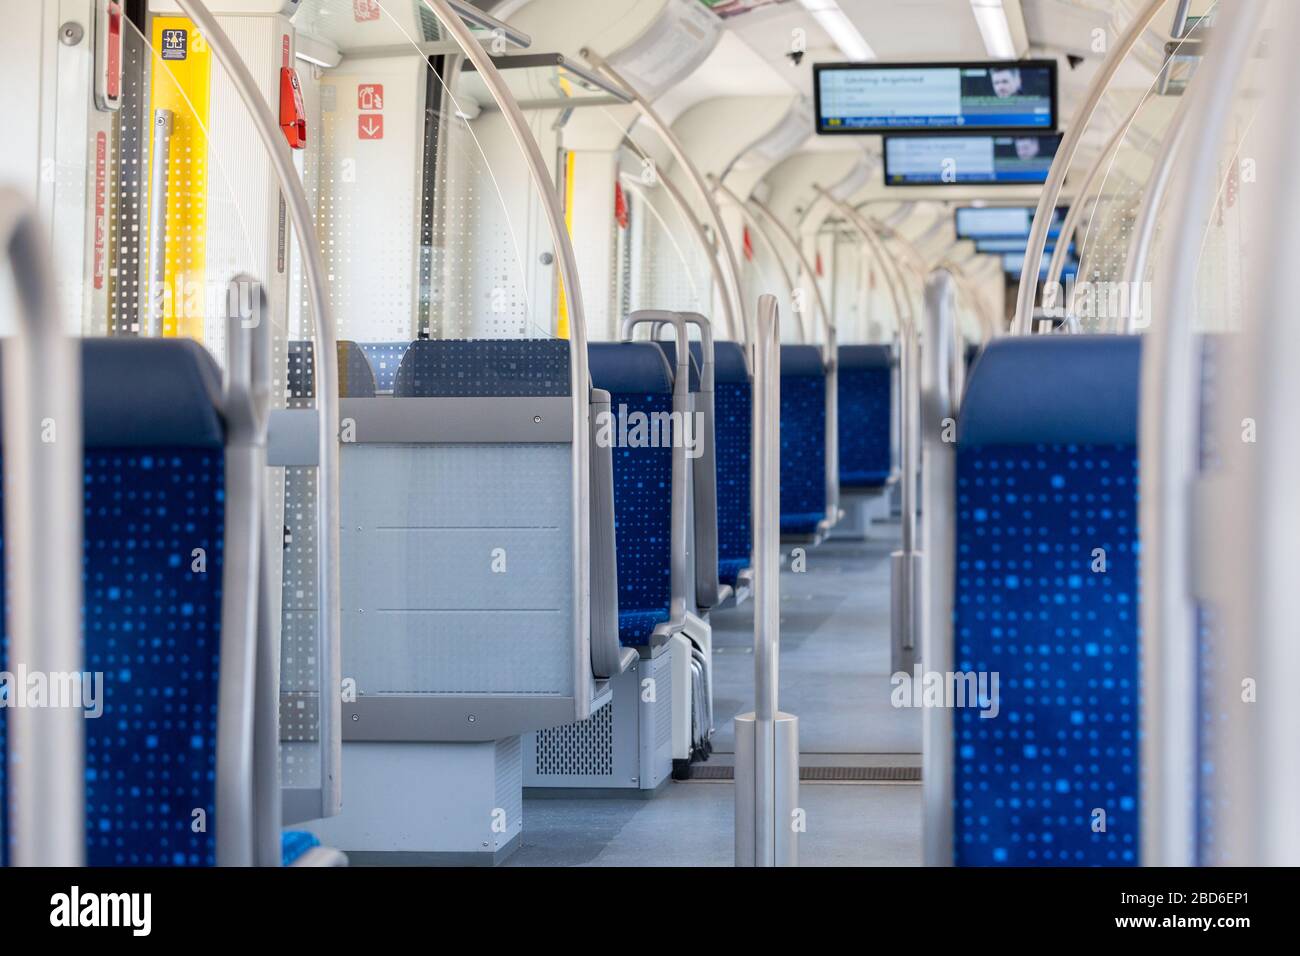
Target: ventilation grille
584	749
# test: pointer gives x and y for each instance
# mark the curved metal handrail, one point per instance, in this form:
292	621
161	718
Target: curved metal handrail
801	328
43	549
1057	263
580	378
1047	199
728	252
710	253
327	390
1168	448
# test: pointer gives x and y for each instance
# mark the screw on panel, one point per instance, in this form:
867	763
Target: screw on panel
537	419
71	33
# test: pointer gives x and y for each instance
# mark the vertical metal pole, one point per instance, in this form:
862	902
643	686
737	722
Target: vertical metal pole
43	544
1061	164
767	748
942	356
159	169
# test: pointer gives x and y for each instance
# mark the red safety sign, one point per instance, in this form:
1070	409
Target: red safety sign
364	10
370	96
370	126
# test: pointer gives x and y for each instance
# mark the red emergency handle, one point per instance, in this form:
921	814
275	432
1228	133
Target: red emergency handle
293	117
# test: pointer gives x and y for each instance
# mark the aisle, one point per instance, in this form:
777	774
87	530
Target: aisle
835	677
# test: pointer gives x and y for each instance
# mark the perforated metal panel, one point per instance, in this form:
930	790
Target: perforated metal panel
626	745
582	749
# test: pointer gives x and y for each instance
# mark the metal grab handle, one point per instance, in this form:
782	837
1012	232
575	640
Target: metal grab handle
940	395
43	549
1021	324
767	741
327	389
680	583
159	176
728	252
245	406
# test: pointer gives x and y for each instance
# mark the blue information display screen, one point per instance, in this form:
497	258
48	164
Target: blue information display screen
998	247
968	160
1014	263
1003	222
935	97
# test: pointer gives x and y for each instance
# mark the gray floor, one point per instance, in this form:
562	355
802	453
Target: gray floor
835	678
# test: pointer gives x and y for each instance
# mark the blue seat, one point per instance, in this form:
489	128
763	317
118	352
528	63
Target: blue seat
294	843
1047	485
866	376
733	402
638	378
476	368
803	440
154	492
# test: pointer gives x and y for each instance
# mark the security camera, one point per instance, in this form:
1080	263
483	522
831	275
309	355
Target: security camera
796	56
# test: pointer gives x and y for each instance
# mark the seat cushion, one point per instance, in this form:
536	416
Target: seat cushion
294	843
635	627
729	570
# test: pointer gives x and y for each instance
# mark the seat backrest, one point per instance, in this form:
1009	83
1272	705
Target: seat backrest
153	561
733	422
865	415
803	439
1046	598
639	381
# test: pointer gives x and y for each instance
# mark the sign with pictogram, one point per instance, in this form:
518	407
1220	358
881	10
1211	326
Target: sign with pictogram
363	10
370	126
370	96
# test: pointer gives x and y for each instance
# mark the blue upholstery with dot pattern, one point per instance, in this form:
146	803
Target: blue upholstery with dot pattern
733	405
154	492
670	353
500	368
294	843
865	425
385	359
1043	495
803	439
638	378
